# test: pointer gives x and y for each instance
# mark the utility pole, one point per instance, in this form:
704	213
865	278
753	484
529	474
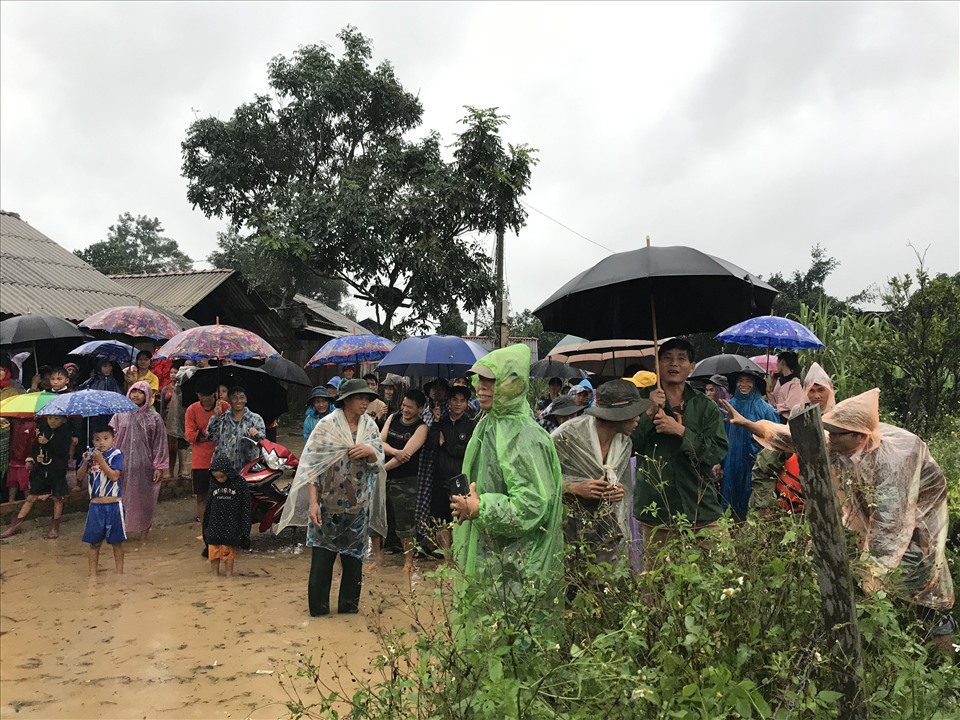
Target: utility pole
499	321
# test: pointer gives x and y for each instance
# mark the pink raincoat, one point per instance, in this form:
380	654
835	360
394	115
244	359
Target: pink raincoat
142	438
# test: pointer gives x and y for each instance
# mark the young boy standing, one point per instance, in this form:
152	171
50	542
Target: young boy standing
101	468
47	466
226	523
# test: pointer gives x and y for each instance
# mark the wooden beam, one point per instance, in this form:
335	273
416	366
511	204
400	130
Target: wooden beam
830	560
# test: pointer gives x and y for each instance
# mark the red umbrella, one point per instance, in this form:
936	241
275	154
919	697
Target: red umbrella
133	321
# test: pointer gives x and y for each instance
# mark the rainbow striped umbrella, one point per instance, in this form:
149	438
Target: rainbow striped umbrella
26	405
215	342
133	321
352	350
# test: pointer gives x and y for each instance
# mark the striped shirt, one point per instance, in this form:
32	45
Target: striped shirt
97	483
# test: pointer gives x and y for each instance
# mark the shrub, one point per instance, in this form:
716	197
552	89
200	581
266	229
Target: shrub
723	627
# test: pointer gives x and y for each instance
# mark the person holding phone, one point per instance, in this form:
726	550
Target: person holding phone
508	536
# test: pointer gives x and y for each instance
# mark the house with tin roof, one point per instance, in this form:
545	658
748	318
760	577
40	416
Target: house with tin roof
38	276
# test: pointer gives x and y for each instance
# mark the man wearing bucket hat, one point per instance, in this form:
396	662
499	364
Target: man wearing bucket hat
561	410
318	407
594	452
509	532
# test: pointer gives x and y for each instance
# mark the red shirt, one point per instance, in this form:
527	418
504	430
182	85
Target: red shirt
195	426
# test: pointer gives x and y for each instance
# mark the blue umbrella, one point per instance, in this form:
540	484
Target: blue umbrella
109	349
443	356
88	403
770	331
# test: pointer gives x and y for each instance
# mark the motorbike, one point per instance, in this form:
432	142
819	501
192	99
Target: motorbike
269	477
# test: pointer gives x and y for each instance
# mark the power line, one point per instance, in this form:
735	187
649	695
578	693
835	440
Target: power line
565	227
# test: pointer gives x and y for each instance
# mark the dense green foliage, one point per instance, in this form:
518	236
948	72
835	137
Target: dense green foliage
134	246
721	628
274	273
324	170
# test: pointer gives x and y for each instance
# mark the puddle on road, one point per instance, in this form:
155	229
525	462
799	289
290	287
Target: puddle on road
168	639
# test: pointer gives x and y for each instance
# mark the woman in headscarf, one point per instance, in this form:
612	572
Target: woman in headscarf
142	438
748	401
333	495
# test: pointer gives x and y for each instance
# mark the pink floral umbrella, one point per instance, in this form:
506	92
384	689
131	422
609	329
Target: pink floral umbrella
216	342
133	321
767	362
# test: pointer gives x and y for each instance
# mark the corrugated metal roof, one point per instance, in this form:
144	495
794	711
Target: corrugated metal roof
176	291
325	312
209	296
39	276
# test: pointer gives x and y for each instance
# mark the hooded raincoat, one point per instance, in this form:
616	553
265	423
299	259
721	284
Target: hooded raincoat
346	488
743	449
142	438
893	495
517	536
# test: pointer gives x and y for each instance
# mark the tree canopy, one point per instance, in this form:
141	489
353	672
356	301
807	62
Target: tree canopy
134	246
324	170
275	274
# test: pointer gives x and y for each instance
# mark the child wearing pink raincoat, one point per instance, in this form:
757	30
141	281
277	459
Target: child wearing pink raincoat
142	438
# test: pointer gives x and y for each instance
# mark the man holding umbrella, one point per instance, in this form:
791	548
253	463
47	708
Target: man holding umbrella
228	429
678	440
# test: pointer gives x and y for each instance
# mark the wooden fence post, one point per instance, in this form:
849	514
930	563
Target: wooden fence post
830	559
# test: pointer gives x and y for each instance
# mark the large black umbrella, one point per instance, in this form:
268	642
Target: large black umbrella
30	329
725	365
693	292
286	371
552	369
265	396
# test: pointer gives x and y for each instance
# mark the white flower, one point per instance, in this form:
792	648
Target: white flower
740	580
639	693
557	646
729	593
606	589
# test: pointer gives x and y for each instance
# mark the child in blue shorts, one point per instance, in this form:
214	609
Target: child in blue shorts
101	468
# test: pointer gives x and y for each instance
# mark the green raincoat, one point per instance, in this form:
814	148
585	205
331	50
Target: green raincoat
518	535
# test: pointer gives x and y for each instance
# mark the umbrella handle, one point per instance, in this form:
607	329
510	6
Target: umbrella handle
656	352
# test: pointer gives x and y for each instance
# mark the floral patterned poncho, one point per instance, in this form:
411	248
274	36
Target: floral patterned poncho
347	489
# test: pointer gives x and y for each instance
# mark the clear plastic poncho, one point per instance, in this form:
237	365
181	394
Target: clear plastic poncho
893	495
816	375
350	492
578	447
517	536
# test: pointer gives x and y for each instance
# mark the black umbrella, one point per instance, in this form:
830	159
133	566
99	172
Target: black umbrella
694	292
265	396
552	369
687	291
286	371
725	365
30	329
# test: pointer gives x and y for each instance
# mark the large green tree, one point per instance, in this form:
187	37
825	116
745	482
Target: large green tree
135	245
806	287
324	170
275	274
917	363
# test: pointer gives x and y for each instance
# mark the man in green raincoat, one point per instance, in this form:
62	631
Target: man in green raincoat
509	529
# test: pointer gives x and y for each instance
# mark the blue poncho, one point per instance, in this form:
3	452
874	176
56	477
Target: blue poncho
738	465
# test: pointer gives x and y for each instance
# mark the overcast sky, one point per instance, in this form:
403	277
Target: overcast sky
750	131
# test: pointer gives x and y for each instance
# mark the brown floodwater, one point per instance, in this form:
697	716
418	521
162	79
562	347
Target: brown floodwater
168	639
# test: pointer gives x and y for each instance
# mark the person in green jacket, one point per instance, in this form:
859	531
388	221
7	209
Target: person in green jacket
509	530
677	441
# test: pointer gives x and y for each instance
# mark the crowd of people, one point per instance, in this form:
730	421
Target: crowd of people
468	468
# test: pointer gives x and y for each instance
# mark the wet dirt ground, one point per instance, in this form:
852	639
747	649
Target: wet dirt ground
167	639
